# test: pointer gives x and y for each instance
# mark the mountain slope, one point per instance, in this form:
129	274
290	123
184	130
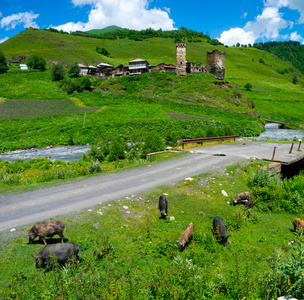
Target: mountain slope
274	94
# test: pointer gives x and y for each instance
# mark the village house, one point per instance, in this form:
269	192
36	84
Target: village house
138	66
83	69
104	70
215	64
92	70
162	67
120	70
23	67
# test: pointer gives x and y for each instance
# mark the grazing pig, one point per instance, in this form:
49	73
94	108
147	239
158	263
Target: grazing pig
163	207
185	238
249	204
298	223
219	229
46	229
239	198
56	252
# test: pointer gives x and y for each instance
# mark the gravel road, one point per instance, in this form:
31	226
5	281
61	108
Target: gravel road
19	209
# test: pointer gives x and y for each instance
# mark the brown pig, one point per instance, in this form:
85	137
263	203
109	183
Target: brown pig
298	223
46	229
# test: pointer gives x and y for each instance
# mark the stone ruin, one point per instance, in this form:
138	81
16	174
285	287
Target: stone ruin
181	59
215	63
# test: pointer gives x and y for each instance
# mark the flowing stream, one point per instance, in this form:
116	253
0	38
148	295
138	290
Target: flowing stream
74	153
272	132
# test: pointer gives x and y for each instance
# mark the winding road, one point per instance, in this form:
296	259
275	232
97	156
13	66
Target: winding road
18	209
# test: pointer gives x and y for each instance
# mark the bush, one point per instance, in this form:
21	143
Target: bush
153	143
261	61
74	70
3	64
95	168
102	51
248	86
272	194
36	62
57	72
295	79
117	150
96	153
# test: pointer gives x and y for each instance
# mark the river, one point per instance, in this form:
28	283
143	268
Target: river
74	153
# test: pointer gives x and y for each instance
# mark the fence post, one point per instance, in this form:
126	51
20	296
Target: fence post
300	141
291	148
274	150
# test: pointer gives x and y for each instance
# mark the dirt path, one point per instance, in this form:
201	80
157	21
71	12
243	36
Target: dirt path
29	207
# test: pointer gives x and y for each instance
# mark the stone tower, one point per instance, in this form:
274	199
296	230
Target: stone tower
181	59
215	64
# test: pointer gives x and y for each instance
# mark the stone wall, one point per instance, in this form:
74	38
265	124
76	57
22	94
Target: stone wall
194	68
181	59
215	64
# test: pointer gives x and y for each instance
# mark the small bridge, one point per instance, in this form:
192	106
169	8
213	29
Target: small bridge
281	124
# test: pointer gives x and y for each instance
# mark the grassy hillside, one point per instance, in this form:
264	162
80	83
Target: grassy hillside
119	236
124	100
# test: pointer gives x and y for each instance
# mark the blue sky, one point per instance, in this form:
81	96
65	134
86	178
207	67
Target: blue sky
243	21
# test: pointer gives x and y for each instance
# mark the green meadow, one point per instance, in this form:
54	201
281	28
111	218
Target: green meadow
132	254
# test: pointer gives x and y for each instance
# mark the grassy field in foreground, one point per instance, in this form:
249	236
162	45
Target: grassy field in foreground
132	254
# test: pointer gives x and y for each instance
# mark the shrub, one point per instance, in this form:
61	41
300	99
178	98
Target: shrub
272	194
248	86
74	70
95	168
96	153
3	64
171	138
295	79
117	150
57	72
153	143
36	62
261	60
102	51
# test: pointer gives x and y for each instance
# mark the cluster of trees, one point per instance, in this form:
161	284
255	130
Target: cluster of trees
289	51
3	64
102	51
183	34
71	84
34	62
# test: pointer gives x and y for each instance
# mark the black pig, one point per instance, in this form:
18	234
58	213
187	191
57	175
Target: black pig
163	207
56	252
220	231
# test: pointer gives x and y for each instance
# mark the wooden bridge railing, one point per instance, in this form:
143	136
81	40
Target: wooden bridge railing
209	139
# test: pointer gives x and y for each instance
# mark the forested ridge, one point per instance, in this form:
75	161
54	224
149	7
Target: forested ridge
289	51
183	34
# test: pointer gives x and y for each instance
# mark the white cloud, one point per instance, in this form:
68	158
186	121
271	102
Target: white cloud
3	40
27	19
291	4
244	16
294	36
237	35
267	25
132	14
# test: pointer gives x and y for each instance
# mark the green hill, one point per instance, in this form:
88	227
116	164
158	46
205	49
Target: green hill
274	95
104	30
